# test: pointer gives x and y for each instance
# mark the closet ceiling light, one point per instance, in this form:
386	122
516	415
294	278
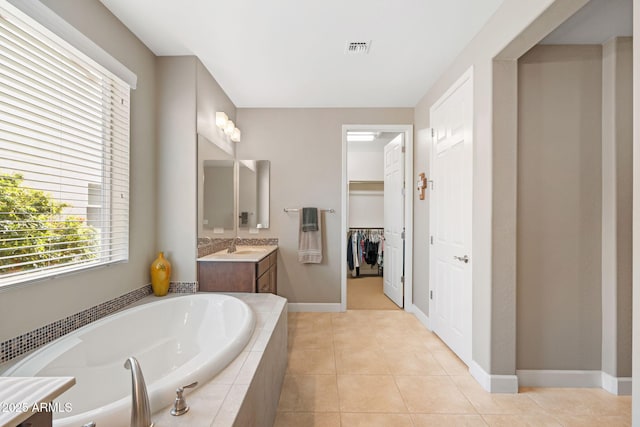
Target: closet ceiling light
360	138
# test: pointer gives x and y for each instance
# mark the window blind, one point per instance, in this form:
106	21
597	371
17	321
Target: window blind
64	156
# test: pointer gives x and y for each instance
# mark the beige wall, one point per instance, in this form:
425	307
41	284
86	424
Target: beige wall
516	26
28	307
617	170
636	219
188	97
305	149
559	208
176	157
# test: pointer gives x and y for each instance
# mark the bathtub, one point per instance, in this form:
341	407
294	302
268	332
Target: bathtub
176	340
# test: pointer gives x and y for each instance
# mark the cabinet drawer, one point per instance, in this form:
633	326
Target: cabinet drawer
264	283
262	267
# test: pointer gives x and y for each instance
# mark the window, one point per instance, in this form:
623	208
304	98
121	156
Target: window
64	156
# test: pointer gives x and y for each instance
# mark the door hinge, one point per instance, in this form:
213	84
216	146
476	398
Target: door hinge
430	294
403	149
402	235
401	279
433	133
431	239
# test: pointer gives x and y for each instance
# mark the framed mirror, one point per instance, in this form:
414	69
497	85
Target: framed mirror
216	195
253	193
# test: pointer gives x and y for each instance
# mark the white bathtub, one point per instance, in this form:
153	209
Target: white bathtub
176	340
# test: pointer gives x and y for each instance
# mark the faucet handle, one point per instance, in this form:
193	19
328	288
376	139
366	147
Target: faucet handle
180	405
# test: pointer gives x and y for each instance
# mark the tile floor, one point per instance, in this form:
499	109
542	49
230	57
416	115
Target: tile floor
384	369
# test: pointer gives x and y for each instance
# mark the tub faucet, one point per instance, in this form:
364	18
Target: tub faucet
232	246
140	410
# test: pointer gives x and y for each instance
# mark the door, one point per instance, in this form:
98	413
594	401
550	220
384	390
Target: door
450	221
394	220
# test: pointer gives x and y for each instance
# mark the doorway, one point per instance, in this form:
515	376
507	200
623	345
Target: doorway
377	253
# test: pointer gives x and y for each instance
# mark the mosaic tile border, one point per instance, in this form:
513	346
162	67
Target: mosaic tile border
29	341
207	245
183	287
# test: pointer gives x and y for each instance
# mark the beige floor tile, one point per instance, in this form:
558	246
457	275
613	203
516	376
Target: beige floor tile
309	393
595	421
450	362
307	419
401	342
433	395
579	401
311	362
440	420
539	420
375	420
364	361
317	321
495	403
412	363
369	393
303	339
355	341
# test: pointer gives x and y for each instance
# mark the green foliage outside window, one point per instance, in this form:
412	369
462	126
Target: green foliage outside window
34	233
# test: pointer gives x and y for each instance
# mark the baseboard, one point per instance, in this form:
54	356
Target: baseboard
559	378
423	318
493	383
620	386
294	307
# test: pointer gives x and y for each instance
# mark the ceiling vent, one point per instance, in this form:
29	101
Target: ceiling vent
358	48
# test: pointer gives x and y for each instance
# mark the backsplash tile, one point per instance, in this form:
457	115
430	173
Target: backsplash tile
207	245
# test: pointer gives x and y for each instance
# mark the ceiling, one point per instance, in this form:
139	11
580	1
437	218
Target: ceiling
291	53
595	23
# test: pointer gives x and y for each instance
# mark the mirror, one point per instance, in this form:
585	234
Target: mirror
216	196
253	193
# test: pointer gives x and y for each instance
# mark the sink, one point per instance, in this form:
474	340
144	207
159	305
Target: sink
246	250
242	254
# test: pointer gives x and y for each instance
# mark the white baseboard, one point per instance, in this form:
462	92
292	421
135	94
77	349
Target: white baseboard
493	383
423	318
620	386
559	378
294	307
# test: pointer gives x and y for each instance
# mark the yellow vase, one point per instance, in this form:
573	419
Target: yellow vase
160	275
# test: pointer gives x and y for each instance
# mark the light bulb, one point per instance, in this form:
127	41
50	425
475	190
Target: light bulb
229	127
221	119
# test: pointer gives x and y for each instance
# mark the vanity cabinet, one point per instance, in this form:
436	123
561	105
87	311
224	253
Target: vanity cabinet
239	276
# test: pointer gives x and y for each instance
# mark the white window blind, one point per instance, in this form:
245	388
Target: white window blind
64	156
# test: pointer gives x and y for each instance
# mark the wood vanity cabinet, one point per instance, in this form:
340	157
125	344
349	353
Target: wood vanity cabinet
225	276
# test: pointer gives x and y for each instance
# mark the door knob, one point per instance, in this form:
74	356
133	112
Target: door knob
464	259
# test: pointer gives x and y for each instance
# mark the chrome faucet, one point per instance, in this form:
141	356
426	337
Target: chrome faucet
140	410
232	246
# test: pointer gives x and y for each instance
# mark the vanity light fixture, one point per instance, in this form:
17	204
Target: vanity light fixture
221	119
235	135
227	126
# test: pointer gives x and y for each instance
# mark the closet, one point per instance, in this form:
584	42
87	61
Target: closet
364	239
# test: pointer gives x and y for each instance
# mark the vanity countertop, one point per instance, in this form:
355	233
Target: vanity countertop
21	397
242	254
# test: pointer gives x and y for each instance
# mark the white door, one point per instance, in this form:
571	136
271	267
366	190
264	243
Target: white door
450	221
394	220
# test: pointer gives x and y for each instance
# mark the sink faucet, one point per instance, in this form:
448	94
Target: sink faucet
140	410
232	246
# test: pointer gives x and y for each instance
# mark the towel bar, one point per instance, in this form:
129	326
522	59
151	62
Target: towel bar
298	210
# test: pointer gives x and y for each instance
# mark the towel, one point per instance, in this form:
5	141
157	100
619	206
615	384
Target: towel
309	219
309	243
